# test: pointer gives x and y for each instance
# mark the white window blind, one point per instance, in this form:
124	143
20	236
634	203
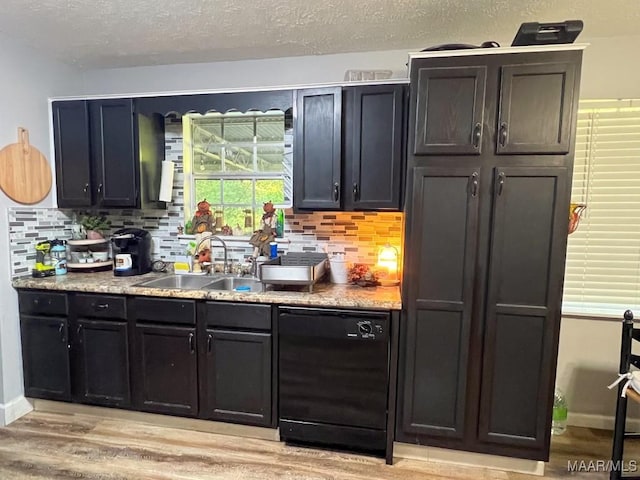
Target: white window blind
603	256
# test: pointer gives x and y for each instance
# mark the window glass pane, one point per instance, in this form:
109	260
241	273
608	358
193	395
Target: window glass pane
238	159
270	128
270	158
208	189
270	190
238	192
234	218
238	129
207	159
207	129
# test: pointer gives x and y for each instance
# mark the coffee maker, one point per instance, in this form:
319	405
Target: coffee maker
131	252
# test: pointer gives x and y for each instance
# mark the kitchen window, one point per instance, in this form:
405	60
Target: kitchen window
602	274
237	162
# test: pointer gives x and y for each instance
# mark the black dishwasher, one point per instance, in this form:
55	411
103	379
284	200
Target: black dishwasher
334	374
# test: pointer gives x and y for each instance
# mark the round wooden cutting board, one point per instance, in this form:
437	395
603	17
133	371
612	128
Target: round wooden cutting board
25	176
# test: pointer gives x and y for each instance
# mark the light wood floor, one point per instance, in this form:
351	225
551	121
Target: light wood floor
61	446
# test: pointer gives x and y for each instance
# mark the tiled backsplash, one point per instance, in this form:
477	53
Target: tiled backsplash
357	235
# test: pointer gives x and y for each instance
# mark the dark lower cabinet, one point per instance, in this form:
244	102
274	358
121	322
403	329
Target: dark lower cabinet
101	350
237	376
441	291
523	305
45	356
166	369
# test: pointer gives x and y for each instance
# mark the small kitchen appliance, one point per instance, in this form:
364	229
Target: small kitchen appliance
43	267
131	252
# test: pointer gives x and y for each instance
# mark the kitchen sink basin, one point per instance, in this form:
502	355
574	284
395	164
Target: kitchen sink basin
185	282
239	284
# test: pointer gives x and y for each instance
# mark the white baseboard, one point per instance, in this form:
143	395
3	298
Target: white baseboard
603	422
469	459
16	408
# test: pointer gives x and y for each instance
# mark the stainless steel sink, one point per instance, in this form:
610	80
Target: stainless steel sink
239	284
185	282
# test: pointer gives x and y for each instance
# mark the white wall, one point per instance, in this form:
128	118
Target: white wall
242	74
27	80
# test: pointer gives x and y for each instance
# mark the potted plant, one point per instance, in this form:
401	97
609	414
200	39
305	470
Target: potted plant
94	225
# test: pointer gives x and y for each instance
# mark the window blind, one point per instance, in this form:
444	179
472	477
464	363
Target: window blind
602	274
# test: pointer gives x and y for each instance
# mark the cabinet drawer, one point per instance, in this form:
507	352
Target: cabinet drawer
165	310
43	303
238	315
100	306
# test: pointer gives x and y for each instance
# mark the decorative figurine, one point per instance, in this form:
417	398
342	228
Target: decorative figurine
203	219
267	233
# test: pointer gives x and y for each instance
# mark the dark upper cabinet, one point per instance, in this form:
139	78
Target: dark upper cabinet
536	108
373	121
166	370
72	151
317	148
113	146
230	356
107	155
348	148
526	265
45	356
441	273
101	349
450	110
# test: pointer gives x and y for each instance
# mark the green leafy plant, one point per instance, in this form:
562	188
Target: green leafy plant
98	223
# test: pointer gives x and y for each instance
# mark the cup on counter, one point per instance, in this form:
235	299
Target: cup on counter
100	256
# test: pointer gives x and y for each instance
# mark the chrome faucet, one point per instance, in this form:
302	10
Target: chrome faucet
225	266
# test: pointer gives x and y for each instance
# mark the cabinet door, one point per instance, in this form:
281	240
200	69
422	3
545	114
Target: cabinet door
442	253
102	361
528	247
72	151
317	148
237	375
536	105
45	355
166	363
450	110
114	152
373	147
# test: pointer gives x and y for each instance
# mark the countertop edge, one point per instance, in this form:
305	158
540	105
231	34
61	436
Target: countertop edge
343	296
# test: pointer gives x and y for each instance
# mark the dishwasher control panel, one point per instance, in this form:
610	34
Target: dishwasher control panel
368	329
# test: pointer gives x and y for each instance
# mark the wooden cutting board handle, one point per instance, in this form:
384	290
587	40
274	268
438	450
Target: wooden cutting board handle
25	175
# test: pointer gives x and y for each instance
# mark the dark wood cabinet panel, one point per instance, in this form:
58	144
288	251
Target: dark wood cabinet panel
45	356
114	157
440	296
164	310
508	325
102	362
450	110
536	105
373	146
166	370
523	305
72	151
229	357
317	148
42	303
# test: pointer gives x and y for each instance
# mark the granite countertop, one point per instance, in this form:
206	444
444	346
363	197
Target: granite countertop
324	294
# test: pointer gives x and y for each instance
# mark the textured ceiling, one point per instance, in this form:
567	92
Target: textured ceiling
120	33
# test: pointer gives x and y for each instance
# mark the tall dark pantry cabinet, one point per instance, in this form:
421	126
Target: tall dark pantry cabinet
490	155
